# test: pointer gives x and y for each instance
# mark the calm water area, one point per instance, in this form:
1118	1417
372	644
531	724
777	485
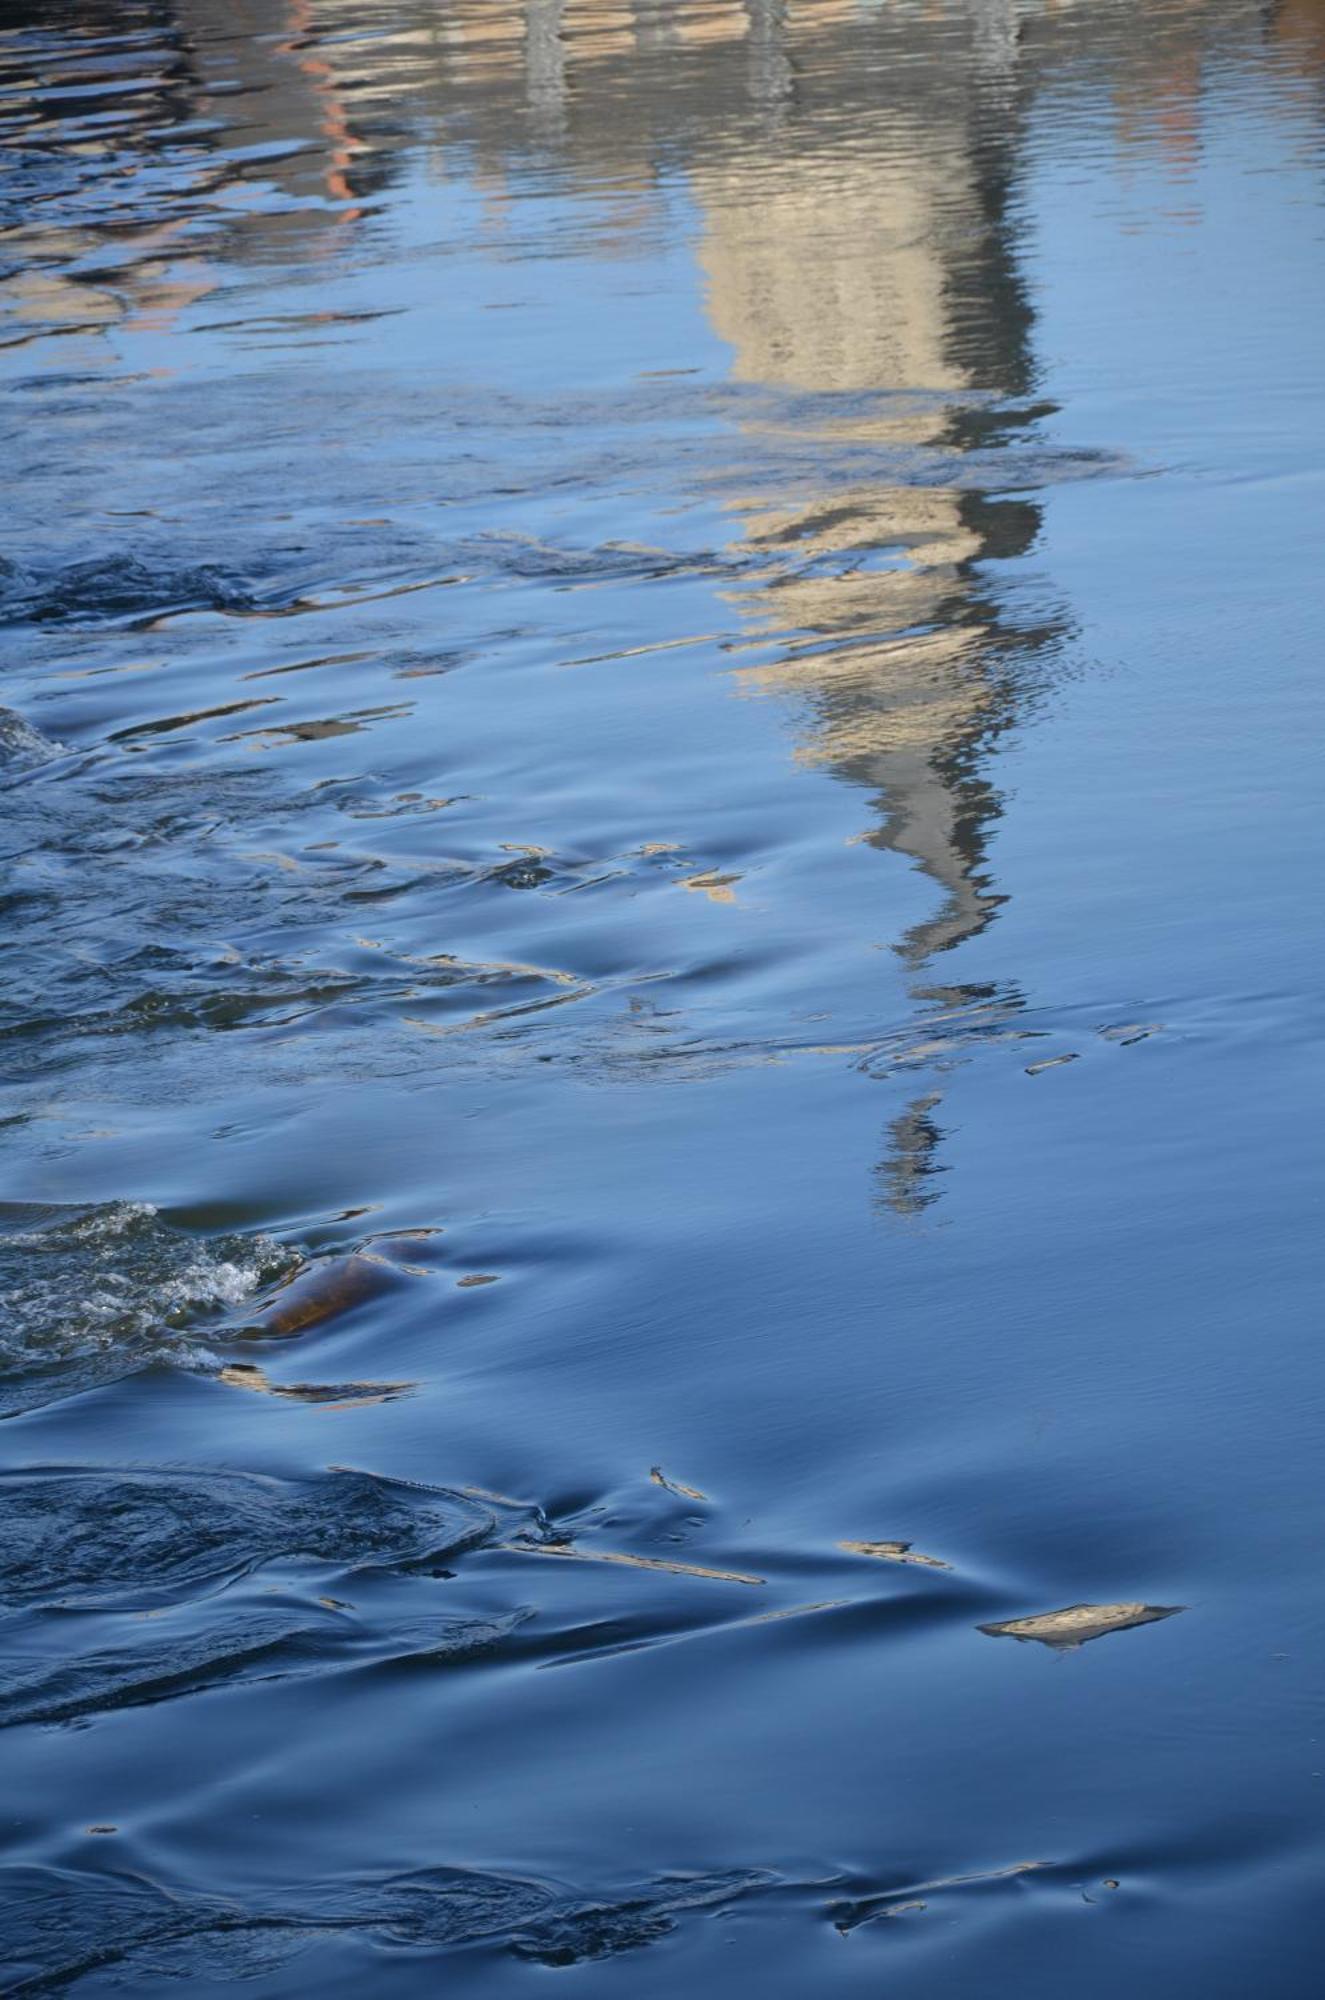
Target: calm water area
661	813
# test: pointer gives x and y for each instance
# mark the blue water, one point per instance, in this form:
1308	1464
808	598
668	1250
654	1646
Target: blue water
659	782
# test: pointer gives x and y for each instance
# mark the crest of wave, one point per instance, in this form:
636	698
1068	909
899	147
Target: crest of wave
114	1277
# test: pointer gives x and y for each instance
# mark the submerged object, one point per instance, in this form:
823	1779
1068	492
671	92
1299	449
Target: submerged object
320	1292
1072	1627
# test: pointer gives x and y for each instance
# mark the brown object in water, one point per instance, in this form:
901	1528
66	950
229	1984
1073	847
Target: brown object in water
320	1292
1073	1626
893	1552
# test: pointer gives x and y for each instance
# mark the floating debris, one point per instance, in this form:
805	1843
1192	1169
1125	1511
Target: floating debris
1065	1630
893	1552
1051	1062
790	1611
717	887
569	1552
331	1395
659	1478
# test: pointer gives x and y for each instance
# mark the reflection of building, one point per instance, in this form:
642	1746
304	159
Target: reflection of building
910	1162
872	281
1297	29
257	129
854	243
156	144
854	167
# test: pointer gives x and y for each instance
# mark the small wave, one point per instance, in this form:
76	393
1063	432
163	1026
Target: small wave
107	588
21	745
68	1923
114	1283
96	1535
63	1686
525	557
60	1689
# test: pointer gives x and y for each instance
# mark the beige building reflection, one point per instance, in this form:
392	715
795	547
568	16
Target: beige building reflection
325	97
854	167
845	271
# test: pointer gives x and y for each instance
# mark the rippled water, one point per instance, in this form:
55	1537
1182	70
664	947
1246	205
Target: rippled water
658	773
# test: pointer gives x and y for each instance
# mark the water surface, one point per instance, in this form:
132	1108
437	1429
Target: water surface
658	784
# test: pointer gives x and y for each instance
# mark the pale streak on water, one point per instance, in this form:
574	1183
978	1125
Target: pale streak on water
661	700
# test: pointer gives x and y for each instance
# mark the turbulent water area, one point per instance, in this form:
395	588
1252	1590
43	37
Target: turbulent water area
659	747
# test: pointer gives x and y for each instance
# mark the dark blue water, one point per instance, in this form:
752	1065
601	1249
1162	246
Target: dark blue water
661	946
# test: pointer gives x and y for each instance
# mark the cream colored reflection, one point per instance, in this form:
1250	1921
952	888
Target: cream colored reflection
830	272
850	254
